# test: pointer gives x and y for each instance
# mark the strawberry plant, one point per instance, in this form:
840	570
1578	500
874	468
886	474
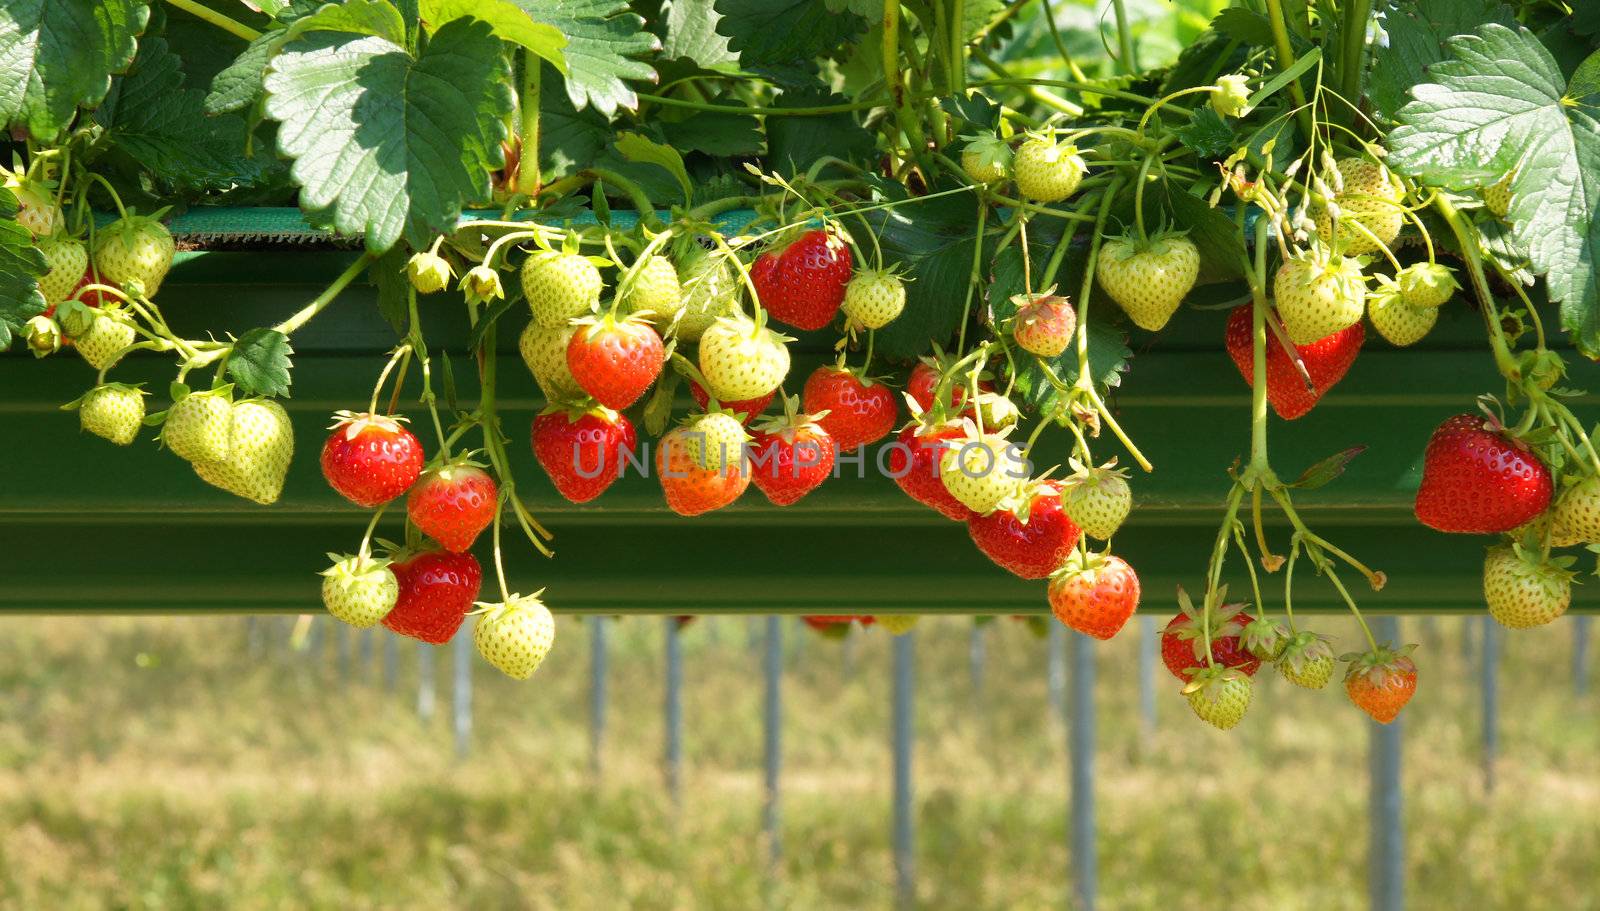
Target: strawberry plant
973	223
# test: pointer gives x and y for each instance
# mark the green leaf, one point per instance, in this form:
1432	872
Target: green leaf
784	31
21	264
239	84
1323	472
933	240
508	20
1499	103
569	139
384	143
388	275
603	37
1207	134
722	135
58	55
796	142
1417	34
260	363
638	149
692	35
377	18
1245	26
155	121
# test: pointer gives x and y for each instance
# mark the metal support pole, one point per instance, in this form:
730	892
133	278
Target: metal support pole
1386	876
1056	669
1491	698
597	691
252	636
904	832
847	653
1080	747
425	698
364	651
977	657
341	647
1580	654
674	712
314	642
1467	625
772	724
391	662
463	691
1147	677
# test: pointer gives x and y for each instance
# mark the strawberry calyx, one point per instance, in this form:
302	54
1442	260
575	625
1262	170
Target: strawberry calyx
102	388
1303	649
1209	681
988	150
791	423
1383	666
577	411
355	423
1020	502
350	570
1266	639
514	603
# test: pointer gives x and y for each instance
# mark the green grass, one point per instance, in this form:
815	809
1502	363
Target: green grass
154	764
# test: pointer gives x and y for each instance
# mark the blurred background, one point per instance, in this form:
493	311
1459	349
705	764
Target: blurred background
217	762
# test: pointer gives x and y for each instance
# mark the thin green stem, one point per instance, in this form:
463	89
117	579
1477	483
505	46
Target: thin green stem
528	179
321	301
1284	51
207	14
1129	61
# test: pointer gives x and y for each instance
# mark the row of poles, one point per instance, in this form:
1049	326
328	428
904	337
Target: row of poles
1071	698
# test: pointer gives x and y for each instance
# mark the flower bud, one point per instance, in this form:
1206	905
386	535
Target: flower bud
1231	94
482	283
428	272
44	336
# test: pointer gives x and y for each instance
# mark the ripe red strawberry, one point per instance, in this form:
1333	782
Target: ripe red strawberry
1327	360
925	379
436	591
690	488
615	360
860	411
914	464
1381	682
747	409
370	459
582	450
1477	480
790	456
1030	537
803	283
1183	644
1094	594
453	503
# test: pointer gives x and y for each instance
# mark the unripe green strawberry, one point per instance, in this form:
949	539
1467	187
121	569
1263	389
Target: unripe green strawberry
715	440
36	206
986	159
1306	661
873	299
134	249
742	359
1426	284
1371	198
199	425
1398	321
1318	295
560	287
1044	325
1046	171
1148	280
481	284
898	624
1576	515
981	471
429	272
1525	589
1097	499
359	590
514	636
260	447
110	331
996	411
1497	198
1231	95
114	411
655	290
68	259
44	335
544	350
1219	696
711	288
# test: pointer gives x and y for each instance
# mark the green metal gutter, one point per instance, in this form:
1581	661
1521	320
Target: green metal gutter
105	530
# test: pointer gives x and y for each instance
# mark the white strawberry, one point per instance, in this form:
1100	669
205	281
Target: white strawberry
515	635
